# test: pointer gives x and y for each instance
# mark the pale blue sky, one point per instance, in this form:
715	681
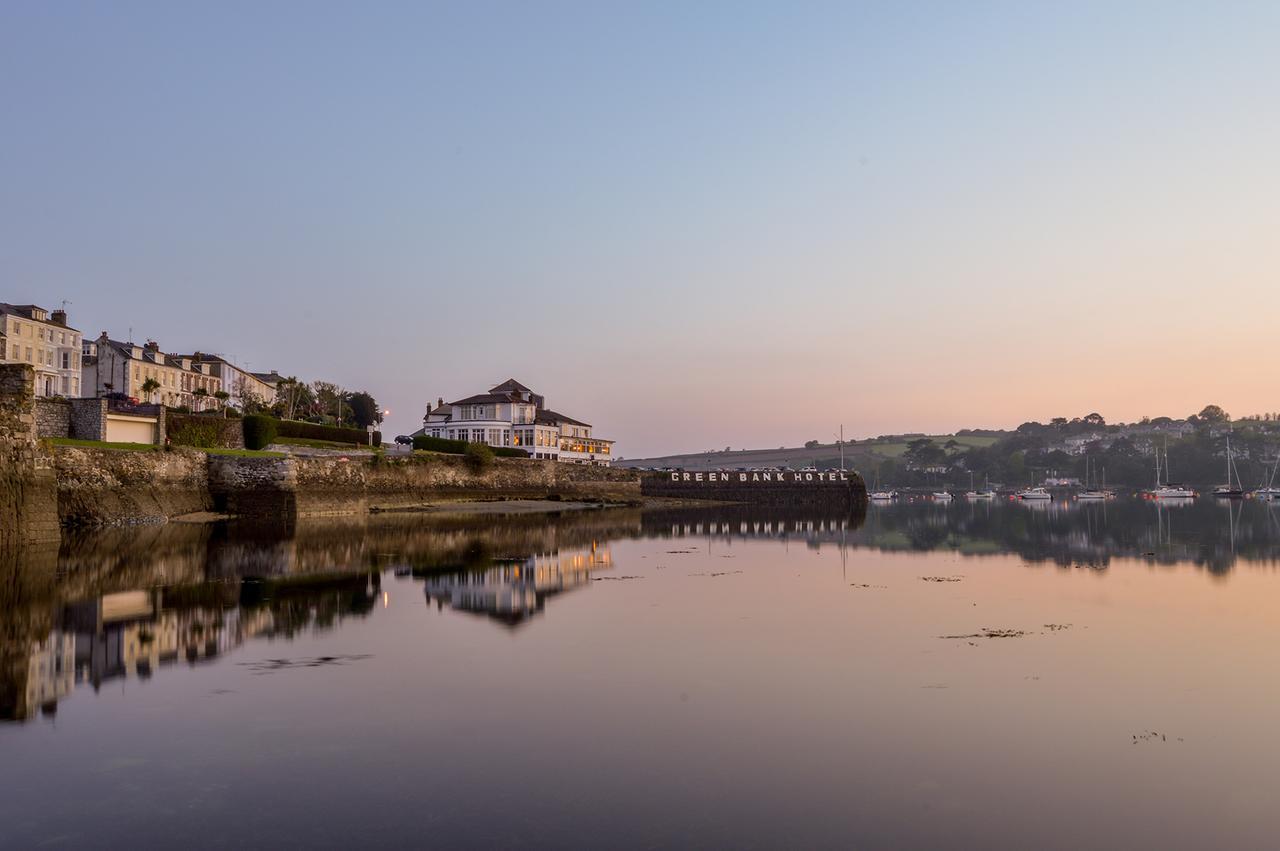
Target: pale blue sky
693	225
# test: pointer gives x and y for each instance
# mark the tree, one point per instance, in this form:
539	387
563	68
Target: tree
222	396
330	400
149	388
811	444
1095	419
364	409
1214	414
201	394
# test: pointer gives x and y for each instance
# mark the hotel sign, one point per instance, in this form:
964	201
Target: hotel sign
717	477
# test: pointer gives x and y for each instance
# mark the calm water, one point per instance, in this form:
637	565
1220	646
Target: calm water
973	675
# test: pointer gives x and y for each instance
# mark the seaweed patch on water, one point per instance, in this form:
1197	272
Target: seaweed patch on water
987	632
1153	736
268	666
718	573
614	578
1057	627
941	578
865	585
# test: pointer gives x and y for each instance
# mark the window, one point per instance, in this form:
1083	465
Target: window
66	360
29	358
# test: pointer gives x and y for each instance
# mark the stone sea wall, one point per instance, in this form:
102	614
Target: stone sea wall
28	507
103	487
98	487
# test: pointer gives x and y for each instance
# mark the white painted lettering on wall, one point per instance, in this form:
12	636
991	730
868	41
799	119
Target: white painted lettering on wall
834	476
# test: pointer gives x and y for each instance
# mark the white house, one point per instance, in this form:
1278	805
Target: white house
513	415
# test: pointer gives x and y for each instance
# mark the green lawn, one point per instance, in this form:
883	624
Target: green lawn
147	447
321	444
102	444
244	453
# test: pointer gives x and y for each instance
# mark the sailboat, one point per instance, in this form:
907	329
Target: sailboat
1229	490
1168	490
1090	493
985	493
1270	491
879	495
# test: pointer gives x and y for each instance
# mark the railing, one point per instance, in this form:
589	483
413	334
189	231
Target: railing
120	406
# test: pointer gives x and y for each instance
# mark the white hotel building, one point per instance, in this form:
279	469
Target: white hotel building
513	415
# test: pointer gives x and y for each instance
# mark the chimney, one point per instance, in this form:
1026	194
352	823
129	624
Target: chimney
440	402
59	317
152	346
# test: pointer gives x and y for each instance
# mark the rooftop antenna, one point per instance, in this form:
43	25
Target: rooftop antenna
65	302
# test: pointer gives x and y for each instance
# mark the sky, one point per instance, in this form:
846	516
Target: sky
693	225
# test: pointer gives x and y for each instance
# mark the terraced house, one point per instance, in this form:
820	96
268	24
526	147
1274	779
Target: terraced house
42	338
110	366
513	415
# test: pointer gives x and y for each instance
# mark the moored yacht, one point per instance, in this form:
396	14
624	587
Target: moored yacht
1234	488
1034	494
941	496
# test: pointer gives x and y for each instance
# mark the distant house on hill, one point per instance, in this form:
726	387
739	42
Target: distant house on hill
511	414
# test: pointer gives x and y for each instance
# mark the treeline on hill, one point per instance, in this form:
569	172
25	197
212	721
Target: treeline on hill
1196	449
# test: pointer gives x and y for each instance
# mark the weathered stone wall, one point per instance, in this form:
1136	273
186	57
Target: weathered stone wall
28	508
109	487
88	419
338	485
53	418
102	487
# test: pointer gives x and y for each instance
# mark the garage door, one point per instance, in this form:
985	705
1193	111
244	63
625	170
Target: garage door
131	429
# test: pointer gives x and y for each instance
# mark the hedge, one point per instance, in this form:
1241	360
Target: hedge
459	447
439	444
203	432
259	431
315	431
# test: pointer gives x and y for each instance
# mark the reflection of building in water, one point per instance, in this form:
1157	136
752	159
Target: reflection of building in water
515	590
134	633
51	670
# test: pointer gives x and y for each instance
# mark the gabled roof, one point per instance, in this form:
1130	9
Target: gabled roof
551	417
510	386
488	399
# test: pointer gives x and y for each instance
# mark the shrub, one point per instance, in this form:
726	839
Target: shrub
202	432
377	438
479	457
509	452
439	444
312	431
259	431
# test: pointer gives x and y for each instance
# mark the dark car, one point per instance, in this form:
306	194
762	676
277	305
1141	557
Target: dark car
121	397
405	439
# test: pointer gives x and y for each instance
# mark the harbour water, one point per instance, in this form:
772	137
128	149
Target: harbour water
974	675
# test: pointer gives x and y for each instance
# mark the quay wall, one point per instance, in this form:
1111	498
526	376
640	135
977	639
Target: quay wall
786	488
28	502
105	487
102	487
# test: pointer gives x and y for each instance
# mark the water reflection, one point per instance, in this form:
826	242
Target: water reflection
127	603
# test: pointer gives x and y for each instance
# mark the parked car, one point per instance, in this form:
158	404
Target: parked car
122	397
404	439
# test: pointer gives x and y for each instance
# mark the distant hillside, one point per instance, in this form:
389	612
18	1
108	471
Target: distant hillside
859	454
